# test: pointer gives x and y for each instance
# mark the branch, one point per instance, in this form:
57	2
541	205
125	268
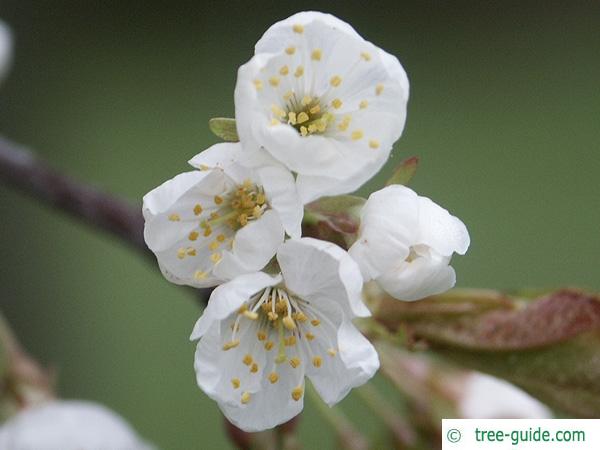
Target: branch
22	170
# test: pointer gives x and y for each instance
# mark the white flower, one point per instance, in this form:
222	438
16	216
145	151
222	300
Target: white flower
486	397
222	220
405	243
69	425
323	101
6	45
261	334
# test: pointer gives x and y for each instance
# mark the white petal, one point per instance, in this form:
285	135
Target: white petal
228	297
178	196
486	397
6	46
282	31
420	278
354	362
280	188
271	406
69	425
389	226
320	271
311	187
253	247
440	230
219	155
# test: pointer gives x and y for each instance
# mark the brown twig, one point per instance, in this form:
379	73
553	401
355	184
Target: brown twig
23	170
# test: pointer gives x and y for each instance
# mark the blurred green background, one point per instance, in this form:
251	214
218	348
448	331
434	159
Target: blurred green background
504	112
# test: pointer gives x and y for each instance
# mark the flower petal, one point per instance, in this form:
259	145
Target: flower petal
228	297
280	188
219	155
320	271
441	230
419	278
253	247
355	362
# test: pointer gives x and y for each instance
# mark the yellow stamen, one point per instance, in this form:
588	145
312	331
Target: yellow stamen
258	85
231	344
336	80
289	323
245	397
379	89
363	104
332	351
273	377
235	382
297	393
298	29
261	335
284	70
174	217
366	56
374	143
254	368
247	359
356	135
251	315
197	210
269	345
295	362
302	117
315	322
218	199
299	71
193	235
274	81
316	54
309	336
336	103
290	50
317	361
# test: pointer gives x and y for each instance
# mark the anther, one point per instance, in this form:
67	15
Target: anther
245	397
215	257
298	28
235	382
295	362
356	135
332	352
302	117
373	143
289	323
290	50
231	344
284	70
193	235
366	56
251	315
269	345
335	81
309	336
274	81
316	54
181	253
315	322
379	89
174	217
317	361
197	210
273	377
258	85
254	368
248	359
336	103
261	335
200	275
363	104
299	71
218	199
297	393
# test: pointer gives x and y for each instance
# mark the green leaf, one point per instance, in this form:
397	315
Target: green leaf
335	219
549	346
404	172
224	128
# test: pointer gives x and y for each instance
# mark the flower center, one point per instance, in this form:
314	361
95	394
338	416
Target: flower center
244	203
285	327
307	115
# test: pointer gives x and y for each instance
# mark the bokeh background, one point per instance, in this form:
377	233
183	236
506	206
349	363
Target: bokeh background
504	113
